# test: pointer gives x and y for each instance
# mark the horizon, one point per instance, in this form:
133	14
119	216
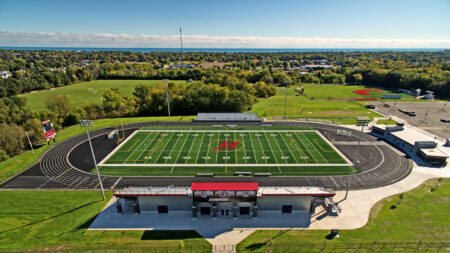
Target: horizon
249	24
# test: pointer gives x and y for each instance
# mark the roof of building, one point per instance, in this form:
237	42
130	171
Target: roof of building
213	186
231	186
410	136
154	191
433	152
295	191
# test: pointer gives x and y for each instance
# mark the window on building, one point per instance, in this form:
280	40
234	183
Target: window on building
286	209
244	210
163	209
205	210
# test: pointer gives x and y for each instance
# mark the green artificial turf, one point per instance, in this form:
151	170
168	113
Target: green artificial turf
85	92
284	153
414	221
58	220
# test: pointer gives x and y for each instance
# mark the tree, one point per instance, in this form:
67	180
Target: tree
60	104
12	138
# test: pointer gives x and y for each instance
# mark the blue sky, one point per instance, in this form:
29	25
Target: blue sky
346	21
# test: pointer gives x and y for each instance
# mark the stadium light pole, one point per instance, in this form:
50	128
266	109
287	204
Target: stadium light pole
166	81
286	82
362	123
89	123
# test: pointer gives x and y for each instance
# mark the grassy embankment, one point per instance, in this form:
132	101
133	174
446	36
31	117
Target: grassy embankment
58	220
84	92
412	221
22	161
329	101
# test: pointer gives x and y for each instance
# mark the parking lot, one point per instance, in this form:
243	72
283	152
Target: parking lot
428	115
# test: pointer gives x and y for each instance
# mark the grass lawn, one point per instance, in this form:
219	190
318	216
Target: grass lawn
420	215
387	122
58	220
84	92
301	106
13	165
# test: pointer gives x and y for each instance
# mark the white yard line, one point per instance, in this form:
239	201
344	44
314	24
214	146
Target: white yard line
271	150
200	148
262	148
306	148
253	147
181	150
245	151
190	149
164	148
217	151
317	151
207	149
290	151
140	144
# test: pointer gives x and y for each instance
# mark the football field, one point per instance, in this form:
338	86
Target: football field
187	152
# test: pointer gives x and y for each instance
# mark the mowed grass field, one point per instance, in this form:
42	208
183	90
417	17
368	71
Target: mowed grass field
323	105
54	221
414	221
224	152
85	92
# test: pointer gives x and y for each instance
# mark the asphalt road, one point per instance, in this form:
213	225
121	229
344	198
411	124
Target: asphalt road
428	118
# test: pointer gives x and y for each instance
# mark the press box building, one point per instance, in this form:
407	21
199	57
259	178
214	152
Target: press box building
224	200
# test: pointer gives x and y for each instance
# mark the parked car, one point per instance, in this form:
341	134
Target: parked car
370	106
445	120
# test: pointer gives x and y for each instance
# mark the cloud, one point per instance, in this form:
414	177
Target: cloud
31	39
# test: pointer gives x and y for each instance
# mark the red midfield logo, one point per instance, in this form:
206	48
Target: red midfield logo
227	145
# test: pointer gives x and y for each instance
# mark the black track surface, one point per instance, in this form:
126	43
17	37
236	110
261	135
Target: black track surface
67	164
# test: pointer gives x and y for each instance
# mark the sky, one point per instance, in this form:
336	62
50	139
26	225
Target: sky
227	24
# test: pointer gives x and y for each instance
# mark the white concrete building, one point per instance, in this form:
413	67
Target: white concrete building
221	200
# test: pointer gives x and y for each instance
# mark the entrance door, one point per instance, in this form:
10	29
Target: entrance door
286	209
205	210
244	210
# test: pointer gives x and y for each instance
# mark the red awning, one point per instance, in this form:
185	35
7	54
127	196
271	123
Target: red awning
238	186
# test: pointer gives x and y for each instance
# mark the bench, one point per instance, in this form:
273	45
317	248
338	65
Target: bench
262	174
242	173
205	174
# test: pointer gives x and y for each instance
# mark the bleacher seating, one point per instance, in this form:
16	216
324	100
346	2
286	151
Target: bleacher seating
227	116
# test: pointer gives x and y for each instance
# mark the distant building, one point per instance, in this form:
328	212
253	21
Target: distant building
429	95
212	64
181	66
5	74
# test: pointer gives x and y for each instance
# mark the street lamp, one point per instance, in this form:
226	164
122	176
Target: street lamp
89	123
286	82
166	81
362	122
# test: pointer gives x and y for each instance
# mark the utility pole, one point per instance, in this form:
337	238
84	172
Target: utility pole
362	123
31	145
166	81
286	82
181	48
89	123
